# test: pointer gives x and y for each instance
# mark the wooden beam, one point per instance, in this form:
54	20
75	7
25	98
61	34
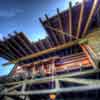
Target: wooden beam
59	31
95	2
48	42
35	47
48	79
81	81
27	40
5	54
49	25
91	50
41	44
47	60
13	87
17	43
98	16
70	17
50	50
76	55
53	34
59	19
24	43
60	90
8	50
70	23
80	18
60	25
87	54
11	46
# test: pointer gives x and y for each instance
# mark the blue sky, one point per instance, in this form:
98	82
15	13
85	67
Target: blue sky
22	15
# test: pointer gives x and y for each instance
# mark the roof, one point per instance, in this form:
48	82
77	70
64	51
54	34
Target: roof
75	17
70	22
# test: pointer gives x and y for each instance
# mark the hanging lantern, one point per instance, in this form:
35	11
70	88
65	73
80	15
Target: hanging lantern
52	96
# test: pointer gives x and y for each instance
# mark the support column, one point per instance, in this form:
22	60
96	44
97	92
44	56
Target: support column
22	90
57	84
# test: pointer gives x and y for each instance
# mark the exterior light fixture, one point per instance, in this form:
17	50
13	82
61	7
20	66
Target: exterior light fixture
52	96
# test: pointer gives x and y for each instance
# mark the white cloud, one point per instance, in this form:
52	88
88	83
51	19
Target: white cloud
10	12
5	13
1	36
76	0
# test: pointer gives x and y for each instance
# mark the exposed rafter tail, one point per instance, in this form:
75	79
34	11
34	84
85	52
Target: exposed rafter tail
17	43
20	38
41	44
36	49
13	47
49	43
9	51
